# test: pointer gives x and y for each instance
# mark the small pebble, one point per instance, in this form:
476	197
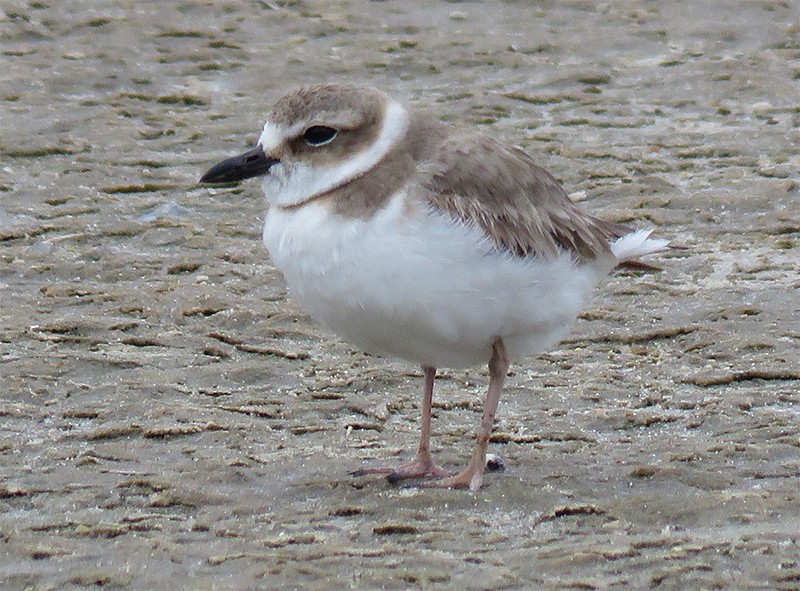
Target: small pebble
495	463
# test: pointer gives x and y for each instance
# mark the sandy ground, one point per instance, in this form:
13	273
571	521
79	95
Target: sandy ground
169	420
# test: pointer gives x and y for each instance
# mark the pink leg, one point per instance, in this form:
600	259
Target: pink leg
472	476
423	464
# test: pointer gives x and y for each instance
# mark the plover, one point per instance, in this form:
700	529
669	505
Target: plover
413	238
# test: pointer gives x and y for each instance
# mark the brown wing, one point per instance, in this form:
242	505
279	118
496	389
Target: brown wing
518	204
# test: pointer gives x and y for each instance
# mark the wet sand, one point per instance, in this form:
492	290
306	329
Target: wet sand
170	420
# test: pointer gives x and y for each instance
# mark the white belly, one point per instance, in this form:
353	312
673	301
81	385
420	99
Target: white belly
412	284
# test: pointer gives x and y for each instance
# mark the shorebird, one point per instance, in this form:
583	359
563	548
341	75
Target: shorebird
413	238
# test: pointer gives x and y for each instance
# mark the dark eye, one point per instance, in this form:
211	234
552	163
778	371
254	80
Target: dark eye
318	135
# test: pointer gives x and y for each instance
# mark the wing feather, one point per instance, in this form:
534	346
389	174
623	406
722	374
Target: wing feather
520	206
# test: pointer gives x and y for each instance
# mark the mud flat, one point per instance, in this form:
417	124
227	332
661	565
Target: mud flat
171	421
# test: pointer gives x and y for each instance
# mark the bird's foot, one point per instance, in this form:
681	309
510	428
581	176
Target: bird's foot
417	468
471	479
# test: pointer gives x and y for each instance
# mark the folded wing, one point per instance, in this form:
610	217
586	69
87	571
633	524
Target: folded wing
518	204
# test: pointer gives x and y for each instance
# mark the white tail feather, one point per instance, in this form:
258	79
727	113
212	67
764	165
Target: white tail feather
637	244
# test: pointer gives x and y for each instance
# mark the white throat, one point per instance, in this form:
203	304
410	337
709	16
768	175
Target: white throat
292	183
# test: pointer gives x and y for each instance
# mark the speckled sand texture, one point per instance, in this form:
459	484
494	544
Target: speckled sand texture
169	420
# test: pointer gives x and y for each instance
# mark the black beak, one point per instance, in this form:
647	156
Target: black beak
238	168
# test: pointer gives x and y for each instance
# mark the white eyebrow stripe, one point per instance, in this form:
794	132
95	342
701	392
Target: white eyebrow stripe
271	137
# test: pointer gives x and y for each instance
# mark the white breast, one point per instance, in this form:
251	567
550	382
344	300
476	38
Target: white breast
414	284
